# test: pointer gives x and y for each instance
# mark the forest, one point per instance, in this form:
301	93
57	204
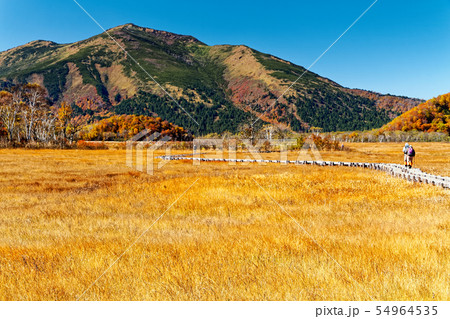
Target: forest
219	117
29	116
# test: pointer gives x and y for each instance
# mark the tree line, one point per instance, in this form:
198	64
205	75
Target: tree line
27	116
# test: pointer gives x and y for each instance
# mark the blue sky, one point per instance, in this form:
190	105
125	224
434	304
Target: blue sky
399	47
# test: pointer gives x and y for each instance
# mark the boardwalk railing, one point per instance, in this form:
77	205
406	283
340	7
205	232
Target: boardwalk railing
413	174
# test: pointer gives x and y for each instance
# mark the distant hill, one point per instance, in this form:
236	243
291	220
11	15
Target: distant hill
392	103
222	87
430	116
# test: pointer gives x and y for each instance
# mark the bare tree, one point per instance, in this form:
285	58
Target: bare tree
269	130
45	126
34	104
9	112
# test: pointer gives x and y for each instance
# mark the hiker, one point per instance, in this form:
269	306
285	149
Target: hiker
405	154
411	153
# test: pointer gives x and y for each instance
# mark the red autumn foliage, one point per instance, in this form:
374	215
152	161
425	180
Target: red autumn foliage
2	129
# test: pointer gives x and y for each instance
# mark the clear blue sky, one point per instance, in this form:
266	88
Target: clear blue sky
400	46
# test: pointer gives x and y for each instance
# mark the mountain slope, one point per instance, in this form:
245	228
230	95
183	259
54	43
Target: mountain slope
222	87
430	116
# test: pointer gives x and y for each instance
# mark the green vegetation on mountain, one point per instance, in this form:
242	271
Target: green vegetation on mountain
219	117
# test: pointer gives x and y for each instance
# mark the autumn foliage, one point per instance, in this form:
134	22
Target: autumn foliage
430	116
2	129
122	127
325	142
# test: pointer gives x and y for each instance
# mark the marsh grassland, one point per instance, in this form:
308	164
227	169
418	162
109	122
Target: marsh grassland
242	232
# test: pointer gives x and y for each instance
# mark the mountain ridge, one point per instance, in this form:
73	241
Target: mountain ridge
221	86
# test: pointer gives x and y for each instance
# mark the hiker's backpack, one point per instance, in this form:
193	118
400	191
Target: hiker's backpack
411	151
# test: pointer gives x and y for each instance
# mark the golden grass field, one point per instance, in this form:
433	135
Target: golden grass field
67	215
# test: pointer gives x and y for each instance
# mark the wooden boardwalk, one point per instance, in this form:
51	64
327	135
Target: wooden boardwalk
413	174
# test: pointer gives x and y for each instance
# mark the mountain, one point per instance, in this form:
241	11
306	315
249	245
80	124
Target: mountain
430	116
222	87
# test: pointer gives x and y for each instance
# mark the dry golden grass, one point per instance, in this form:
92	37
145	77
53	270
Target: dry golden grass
65	216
